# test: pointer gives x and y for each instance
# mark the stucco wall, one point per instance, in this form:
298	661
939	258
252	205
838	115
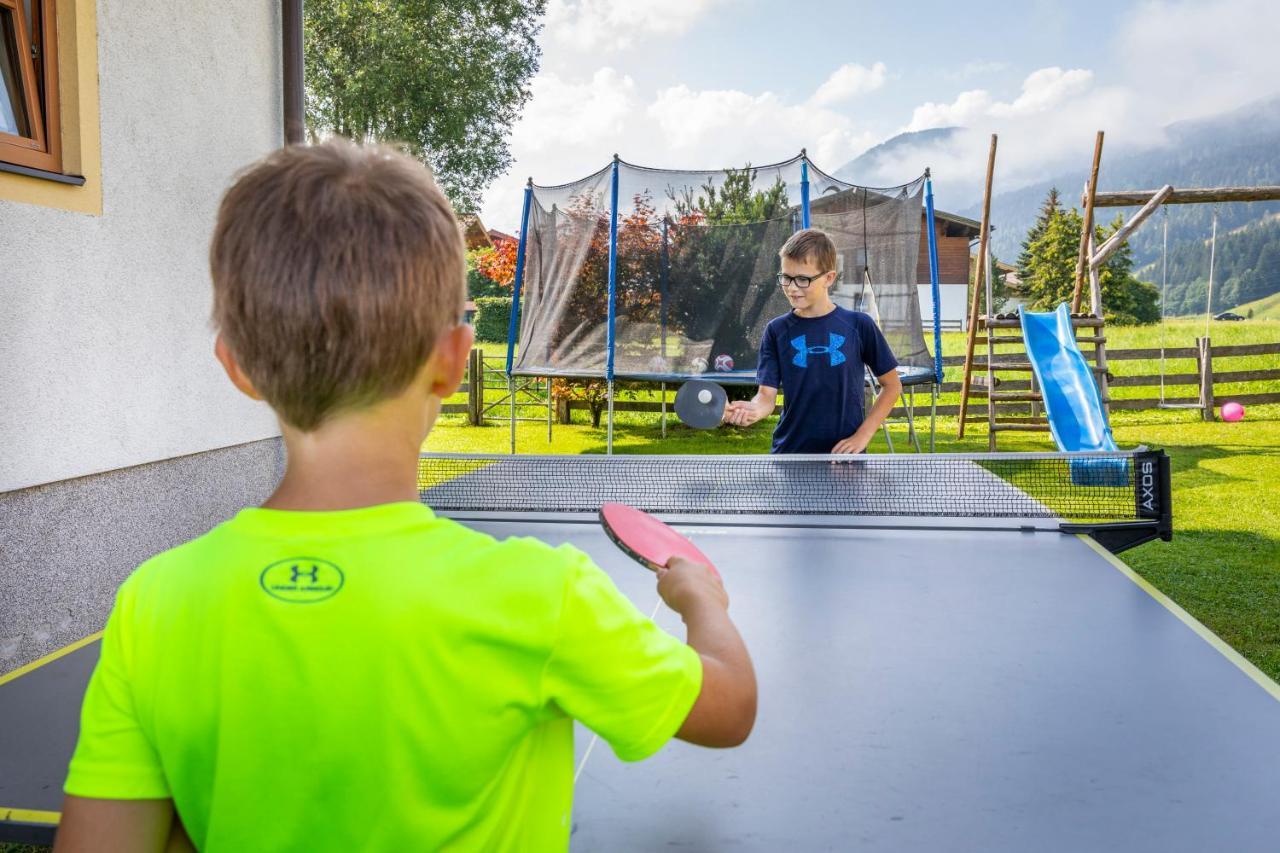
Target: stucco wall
105	348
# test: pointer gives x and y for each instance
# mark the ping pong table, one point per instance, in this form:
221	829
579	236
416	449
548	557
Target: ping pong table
949	656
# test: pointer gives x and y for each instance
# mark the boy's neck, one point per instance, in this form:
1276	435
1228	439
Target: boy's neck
816	310
356	461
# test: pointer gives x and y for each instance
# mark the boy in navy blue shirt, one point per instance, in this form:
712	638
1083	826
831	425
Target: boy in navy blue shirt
818	353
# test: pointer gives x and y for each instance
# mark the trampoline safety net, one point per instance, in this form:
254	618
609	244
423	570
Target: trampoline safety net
697	256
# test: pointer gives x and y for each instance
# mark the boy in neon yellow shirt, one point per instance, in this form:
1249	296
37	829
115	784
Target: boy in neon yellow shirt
340	669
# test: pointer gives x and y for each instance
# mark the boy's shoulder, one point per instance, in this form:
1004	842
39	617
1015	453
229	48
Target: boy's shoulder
214	561
780	323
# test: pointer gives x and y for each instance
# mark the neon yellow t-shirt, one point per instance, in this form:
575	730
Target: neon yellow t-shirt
371	679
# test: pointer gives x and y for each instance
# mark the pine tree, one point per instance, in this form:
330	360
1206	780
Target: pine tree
1048	262
1051	207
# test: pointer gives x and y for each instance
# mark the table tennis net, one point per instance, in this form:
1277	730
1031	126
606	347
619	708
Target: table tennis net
1077	487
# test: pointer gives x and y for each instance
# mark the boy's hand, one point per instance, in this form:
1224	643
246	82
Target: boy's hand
853	444
685	585
742	413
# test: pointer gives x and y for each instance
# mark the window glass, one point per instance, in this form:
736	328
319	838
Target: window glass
13	113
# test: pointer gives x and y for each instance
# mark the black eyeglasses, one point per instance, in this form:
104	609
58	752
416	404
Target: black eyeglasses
800	281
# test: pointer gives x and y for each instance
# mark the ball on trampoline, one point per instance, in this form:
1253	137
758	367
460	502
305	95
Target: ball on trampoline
658	364
724	363
704	396
698	365
1232	412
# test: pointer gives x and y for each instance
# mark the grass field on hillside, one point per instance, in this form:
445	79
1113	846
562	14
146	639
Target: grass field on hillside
1266	308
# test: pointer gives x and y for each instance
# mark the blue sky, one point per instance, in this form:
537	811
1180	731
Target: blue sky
711	83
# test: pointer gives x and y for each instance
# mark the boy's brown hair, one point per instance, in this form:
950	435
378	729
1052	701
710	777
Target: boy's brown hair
336	267
810	245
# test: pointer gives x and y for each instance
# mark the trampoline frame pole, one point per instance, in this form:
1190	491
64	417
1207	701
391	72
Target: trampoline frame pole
936	292
613	296
663	278
804	189
515	308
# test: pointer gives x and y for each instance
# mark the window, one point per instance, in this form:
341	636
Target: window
30	134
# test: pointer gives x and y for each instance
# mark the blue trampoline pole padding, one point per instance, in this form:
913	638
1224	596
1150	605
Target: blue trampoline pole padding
1072	403
515	292
804	190
613	268
934	289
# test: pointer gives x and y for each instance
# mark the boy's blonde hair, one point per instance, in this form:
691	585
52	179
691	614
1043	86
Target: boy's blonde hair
336	267
810	245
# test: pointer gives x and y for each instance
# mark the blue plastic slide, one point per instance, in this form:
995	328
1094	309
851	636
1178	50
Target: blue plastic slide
1072	403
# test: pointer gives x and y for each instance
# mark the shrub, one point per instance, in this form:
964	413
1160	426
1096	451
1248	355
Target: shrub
493	316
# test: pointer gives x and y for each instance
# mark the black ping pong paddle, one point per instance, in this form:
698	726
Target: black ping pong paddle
700	404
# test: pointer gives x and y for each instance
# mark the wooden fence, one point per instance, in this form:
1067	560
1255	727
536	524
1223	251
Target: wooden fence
1198	388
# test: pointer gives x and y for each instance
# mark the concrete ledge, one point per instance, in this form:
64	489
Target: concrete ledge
65	547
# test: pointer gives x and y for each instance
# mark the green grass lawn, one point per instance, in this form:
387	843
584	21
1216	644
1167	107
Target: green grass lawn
1176	333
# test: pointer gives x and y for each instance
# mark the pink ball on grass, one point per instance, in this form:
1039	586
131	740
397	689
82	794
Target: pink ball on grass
1232	412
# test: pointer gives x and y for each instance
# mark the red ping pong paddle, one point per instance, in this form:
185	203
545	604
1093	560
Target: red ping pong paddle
647	540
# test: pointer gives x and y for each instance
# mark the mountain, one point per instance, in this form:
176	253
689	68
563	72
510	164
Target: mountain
1238	148
1246	271
880	159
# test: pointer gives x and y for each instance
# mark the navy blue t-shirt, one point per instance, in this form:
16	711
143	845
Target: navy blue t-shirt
818	362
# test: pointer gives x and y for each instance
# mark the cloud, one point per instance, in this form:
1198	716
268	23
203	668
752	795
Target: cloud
1041	90
563	112
1047	128
571	128
616	25
849	81
1168	60
1189	57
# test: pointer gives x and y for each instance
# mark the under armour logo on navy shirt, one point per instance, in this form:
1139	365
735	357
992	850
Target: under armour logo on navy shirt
832	349
824	405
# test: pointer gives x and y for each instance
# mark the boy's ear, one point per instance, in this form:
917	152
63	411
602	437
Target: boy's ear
237	376
451	354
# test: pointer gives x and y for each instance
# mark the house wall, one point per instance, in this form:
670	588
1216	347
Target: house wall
105	346
953	257
106	360
953	278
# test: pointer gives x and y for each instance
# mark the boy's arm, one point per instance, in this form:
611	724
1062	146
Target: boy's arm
769	375
890	391
635	685
90	824
725	710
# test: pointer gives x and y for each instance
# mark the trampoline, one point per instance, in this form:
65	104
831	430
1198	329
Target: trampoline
949	658
649	275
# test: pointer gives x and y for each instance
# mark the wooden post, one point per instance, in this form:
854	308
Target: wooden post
991	356
977	287
475	387
1082	260
1205	356
1204	195
1100	346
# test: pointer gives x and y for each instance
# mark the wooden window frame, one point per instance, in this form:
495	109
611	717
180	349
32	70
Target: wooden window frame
43	149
